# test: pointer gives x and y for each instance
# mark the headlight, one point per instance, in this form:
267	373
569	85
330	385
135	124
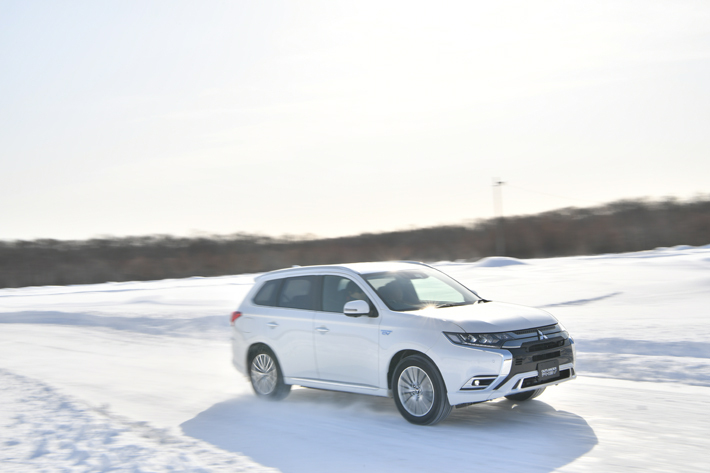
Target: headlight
494	340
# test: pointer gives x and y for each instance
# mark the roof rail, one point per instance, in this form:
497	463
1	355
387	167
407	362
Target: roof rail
413	262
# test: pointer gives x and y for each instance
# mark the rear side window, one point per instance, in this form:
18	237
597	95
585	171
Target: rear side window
267	294
298	293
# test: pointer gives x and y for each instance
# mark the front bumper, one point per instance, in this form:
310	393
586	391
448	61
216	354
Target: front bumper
519	371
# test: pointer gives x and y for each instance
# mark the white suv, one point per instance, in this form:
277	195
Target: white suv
401	329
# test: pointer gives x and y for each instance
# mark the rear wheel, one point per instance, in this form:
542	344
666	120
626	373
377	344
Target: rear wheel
265	374
525	396
419	391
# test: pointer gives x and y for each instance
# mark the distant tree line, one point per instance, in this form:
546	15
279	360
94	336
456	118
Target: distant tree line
629	225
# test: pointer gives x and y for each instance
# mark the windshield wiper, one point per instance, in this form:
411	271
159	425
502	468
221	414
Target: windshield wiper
452	304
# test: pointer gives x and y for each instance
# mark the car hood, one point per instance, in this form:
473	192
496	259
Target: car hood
493	317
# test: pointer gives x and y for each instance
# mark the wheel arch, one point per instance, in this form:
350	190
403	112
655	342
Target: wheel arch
439	406
253	348
402	354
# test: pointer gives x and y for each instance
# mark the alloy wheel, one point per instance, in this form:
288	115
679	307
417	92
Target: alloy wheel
416	391
263	374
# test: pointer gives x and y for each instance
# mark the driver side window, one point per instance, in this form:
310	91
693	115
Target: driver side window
338	290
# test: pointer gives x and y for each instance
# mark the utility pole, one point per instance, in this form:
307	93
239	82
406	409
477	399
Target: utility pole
498	208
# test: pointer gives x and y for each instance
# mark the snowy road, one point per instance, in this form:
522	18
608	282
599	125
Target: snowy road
136	377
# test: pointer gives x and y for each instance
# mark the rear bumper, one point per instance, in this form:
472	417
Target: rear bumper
239	352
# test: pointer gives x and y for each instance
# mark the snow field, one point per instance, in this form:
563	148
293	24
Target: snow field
137	377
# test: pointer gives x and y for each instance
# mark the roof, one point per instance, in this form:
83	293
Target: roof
358	268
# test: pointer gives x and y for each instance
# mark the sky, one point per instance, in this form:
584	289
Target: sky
329	118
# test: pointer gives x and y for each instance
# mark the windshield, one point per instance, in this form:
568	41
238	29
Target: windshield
414	289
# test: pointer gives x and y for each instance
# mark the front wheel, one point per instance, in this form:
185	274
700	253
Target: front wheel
265	374
419	391
525	396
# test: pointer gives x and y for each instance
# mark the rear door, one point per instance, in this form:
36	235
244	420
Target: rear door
287	325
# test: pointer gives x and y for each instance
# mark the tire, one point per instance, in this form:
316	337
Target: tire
265	375
525	396
419	391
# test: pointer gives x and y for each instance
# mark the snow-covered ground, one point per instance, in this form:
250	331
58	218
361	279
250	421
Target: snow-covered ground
137	377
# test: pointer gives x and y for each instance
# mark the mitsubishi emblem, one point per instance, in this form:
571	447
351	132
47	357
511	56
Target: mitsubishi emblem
541	336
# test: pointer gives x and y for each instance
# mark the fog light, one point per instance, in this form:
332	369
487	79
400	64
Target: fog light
476	382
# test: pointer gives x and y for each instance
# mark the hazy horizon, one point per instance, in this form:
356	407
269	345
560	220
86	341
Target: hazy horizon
334	118
311	236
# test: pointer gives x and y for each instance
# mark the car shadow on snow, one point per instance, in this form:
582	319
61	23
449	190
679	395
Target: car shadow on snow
319	431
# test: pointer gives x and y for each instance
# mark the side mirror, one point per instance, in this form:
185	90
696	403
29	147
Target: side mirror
356	308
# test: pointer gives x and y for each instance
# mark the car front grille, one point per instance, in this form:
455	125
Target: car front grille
546	345
547	356
527	357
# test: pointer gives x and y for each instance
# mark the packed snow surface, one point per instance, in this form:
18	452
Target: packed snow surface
137	377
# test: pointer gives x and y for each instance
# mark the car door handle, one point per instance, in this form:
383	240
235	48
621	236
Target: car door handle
322	330
272	324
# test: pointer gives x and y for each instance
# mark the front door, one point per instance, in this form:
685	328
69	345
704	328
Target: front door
347	348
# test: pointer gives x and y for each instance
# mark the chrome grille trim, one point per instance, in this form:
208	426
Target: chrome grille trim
534	330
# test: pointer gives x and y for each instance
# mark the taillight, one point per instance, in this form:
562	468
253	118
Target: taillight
235	316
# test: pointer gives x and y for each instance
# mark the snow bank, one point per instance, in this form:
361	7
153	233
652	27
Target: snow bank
212	326
660	252
497	262
128	286
52	432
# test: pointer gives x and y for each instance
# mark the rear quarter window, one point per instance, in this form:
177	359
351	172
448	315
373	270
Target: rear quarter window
267	293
